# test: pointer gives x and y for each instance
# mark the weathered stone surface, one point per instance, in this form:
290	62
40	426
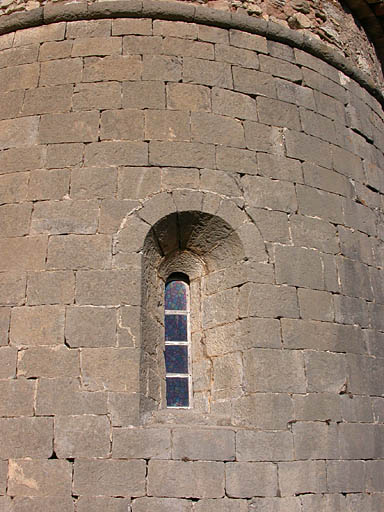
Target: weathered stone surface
25	437
64	155
108	287
182	154
248	479
317	406
19	77
45	100
12	289
48	184
79	251
55	287
93	183
8	362
302	477
144	94
199	444
13	187
48	503
141	443
258	410
265	193
264	446
204	72
69	127
273	371
316	305
50	362
5	314
167	125
346	476
178	479
62	71
114	153
52	50
115	369
18	132
90	327
162	504
17	396
275	504
138	182
123	478
62	217
194	98
316	441
304	268
26	325
15	219
325	371
49	478
264	300
65	397
102	503
82	436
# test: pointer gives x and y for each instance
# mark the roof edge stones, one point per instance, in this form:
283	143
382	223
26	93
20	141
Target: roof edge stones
178	11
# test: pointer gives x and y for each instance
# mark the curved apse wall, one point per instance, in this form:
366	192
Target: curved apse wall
134	146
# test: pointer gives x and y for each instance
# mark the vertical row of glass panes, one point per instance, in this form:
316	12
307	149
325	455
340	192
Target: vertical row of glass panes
177	343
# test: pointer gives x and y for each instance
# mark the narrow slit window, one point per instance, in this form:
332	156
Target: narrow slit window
177	342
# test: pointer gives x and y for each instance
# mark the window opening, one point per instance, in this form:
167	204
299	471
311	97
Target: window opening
177	351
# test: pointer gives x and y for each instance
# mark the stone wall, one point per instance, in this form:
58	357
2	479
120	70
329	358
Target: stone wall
331	22
127	146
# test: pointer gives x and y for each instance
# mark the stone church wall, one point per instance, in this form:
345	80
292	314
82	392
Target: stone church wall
137	146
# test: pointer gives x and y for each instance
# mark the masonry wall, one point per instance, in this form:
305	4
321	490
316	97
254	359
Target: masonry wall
110	130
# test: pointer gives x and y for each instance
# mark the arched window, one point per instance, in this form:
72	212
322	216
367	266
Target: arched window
177	350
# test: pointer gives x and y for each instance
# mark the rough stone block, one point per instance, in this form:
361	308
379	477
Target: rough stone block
167	125
205	72
307	147
142	45
277	113
284	504
354	278
53	50
314	233
316	441
62	217
88	28
347	163
138	182
5	314
374	474
17	56
356	245
96	46
317	406
316	305
188	97
325	179
56	287
25	437
108	287
279	167
250	81
212	34
302	477
113	153
48	184
265	193
357	441
8	362
69	127
248	479
123	408
12	289
325	371
11	104
317	125
280	68
90	326
17	397
264	446
102	503
3	477
61	71
359	217
161	505
13	187
122	478
13	78
319	203
24	253
321	83
238	56
45	100
179	479
182	154
250	41
64	155
356	408
274	371
48	504
18	132
64	397
96	96
185	48
220	308
272	225
144	94
263	138
199	444
346	476
6	503
110	368
351	310
49	478
93	183
122	27
27	323
54	32
48	362
82	436
147	443
162	67
122	124
213	129
79	251
258	410
271	301
234	159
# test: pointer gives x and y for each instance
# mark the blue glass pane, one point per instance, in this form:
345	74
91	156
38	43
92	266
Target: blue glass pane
175	327
176	295
177	392
176	359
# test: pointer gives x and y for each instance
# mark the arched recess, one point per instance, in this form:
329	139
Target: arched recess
213	242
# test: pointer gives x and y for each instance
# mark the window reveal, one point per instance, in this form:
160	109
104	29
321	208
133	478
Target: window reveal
177	343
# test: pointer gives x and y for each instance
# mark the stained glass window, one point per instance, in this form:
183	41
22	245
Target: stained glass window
177	342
